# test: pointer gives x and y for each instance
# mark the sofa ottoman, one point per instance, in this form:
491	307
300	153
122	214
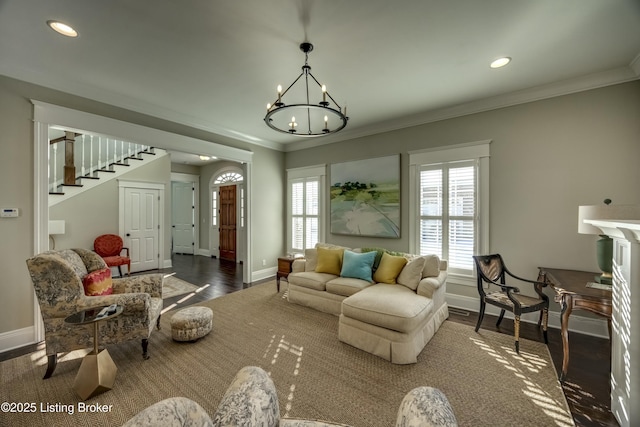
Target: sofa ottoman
191	323
390	321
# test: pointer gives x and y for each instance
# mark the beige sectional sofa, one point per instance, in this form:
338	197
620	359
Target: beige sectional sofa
390	315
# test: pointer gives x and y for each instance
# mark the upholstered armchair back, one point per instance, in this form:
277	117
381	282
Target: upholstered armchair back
57	279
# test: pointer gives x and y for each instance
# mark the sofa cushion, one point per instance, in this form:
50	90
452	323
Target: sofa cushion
311	259
358	266
346	286
98	283
329	261
311	279
412	273
389	268
431	266
389	306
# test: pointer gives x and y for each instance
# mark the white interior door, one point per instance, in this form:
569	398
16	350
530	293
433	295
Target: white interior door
183	217
142	227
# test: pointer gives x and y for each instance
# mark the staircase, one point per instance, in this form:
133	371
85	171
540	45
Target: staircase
79	162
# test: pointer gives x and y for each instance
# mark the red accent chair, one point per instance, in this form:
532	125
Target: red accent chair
109	247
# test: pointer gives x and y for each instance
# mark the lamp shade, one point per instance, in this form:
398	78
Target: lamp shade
56	226
604	212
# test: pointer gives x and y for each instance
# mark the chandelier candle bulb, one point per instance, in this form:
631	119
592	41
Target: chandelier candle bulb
324	96
279	94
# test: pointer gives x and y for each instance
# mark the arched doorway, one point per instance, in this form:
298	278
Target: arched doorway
227	214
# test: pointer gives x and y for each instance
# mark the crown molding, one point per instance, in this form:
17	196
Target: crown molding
565	87
126	102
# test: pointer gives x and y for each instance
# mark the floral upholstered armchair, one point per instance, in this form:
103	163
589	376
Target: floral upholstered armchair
252	400
61	279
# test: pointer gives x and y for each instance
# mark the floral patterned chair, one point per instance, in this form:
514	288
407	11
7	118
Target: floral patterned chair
61	278
110	247
251	400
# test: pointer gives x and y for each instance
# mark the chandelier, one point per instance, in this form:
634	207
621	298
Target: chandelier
305	118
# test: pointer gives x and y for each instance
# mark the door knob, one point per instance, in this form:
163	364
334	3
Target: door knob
128	235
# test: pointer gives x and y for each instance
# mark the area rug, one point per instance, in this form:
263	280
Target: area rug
317	376
172	286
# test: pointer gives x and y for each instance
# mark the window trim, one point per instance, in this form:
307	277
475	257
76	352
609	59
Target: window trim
479	151
304	173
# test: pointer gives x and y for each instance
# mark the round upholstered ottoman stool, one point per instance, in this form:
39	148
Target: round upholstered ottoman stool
191	323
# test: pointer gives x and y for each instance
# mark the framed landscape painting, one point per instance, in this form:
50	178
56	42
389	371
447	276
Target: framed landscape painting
365	197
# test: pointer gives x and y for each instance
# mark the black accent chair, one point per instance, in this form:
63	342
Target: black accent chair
491	270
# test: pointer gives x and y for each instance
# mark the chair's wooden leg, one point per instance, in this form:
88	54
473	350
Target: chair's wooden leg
145	345
516	328
540	318
500	318
51	365
120	270
480	314
158	322
545	315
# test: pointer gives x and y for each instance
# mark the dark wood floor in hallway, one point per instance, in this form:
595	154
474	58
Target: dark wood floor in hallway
587	388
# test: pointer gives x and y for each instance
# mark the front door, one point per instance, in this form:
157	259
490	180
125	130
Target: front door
183	217
141	227
228	222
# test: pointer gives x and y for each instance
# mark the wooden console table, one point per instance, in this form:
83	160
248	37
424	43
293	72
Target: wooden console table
572	292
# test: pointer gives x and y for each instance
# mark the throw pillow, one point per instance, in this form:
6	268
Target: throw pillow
98	283
389	268
412	273
329	261
378	252
431	266
358	266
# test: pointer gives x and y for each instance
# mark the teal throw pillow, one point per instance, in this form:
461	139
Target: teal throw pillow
358	266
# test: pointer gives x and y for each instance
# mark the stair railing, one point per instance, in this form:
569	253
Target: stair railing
91	155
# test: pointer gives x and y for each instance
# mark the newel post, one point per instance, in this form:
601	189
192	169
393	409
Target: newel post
69	166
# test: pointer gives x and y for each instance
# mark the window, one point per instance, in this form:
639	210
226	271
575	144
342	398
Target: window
447	212
305	207
228	177
214	207
451	208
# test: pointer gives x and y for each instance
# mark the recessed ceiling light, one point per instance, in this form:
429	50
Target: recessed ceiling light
63	29
500	62
204	157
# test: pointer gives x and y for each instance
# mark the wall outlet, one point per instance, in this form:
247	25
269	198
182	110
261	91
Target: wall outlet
264	262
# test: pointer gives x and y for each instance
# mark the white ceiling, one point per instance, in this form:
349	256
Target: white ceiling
214	65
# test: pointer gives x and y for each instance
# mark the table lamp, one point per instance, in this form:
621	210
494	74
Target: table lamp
604	245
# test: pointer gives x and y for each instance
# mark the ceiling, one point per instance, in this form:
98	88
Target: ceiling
214	65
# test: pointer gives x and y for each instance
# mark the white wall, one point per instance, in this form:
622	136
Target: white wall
95	212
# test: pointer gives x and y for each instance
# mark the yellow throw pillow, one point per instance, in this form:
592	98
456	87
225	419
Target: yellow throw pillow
389	268
329	261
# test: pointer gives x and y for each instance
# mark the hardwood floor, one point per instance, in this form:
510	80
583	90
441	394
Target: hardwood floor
586	387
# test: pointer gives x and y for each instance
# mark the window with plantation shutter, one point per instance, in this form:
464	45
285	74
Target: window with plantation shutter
447	212
305	201
451	220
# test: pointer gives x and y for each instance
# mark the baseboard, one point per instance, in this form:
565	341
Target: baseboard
204	252
263	274
17	338
579	324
